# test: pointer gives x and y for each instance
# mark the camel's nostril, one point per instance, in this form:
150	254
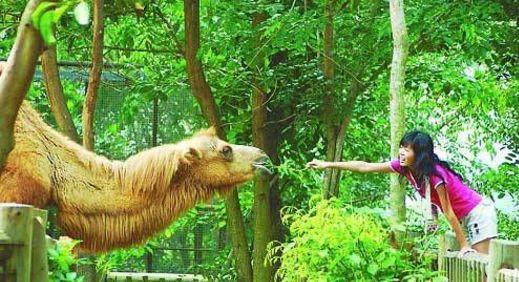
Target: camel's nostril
263	165
264	159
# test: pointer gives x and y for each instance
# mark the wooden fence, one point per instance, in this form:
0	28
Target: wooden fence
501	264
164	277
23	250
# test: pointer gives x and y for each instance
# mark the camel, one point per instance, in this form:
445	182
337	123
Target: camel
109	204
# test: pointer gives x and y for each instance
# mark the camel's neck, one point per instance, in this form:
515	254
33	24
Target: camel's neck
104	231
81	180
130	202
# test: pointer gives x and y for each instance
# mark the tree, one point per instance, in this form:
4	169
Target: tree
17	76
263	216
94	79
337	111
202	92
330	187
400	49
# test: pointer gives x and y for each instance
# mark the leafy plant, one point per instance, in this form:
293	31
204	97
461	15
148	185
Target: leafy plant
339	243
62	261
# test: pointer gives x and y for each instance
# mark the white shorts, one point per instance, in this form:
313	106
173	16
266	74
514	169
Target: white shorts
481	222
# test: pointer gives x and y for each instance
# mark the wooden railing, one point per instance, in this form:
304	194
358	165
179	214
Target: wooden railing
501	264
508	275
165	277
23	251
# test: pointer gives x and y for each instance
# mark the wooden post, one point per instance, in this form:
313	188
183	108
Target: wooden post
447	242
16	223
442	249
466	270
5	253
39	264
502	254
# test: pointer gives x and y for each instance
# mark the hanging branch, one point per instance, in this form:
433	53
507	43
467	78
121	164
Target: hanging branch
94	77
54	88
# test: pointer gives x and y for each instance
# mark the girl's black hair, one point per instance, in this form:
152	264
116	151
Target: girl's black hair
425	158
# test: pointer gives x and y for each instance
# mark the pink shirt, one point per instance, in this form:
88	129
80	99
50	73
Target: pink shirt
462	198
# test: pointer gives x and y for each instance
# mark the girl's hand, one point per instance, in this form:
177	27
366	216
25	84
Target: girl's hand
317	164
465	250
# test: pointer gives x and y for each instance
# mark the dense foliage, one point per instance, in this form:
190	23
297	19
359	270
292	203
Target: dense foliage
333	242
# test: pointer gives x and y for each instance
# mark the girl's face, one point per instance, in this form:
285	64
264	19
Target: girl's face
406	156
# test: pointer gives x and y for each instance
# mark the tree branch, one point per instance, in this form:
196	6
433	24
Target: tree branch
171	30
94	77
54	89
17	77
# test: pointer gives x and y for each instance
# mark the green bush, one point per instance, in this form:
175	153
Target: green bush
337	243
62	260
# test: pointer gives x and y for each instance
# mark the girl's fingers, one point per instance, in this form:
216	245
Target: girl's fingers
465	251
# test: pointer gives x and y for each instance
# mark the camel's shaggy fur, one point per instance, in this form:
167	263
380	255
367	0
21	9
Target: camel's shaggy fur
113	204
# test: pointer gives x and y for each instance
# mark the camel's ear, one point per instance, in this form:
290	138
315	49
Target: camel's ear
191	156
211	131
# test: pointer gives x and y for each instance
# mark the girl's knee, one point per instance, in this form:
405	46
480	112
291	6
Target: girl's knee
482	247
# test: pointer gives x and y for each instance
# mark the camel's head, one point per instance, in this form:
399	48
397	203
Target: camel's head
219	164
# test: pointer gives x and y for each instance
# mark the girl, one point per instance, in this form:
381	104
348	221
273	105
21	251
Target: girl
419	164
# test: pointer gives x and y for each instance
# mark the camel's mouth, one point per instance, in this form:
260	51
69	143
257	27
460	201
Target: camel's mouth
263	166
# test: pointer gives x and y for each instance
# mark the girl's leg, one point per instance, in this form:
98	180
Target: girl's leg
482	223
482	247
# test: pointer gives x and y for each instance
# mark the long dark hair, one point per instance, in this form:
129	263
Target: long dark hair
425	159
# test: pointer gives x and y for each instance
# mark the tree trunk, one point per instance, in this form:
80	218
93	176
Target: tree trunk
200	87
58	105
397	118
263	232
335	178
94	78
236	230
329	114
16	77
205	98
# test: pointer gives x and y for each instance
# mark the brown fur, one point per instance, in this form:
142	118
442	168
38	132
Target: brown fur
113	204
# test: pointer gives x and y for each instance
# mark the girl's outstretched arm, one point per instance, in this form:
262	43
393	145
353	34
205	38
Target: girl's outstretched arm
358	166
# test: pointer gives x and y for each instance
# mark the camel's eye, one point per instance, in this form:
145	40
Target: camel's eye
227	152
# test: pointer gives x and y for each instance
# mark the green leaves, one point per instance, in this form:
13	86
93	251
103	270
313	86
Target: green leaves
42	19
337	243
47	15
62	260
